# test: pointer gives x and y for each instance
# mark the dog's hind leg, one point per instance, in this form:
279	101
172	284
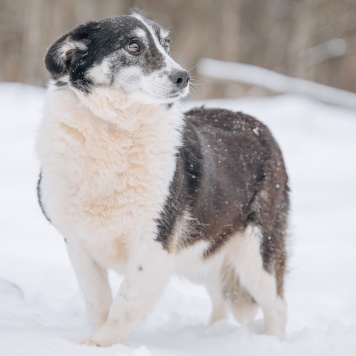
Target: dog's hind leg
239	300
245	257
227	294
219	304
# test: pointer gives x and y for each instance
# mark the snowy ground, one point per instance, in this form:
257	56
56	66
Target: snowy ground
46	316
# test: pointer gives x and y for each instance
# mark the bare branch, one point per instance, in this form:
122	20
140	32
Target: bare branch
275	81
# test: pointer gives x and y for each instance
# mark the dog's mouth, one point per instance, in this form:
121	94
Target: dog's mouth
178	93
173	95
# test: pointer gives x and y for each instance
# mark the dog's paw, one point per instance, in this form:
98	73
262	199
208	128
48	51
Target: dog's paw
89	342
94	343
112	332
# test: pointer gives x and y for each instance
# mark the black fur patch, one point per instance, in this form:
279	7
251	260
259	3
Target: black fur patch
227	178
98	40
39	196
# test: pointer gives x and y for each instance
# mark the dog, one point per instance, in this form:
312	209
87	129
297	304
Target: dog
136	186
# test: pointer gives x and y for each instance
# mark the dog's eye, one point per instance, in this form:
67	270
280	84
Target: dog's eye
167	45
134	47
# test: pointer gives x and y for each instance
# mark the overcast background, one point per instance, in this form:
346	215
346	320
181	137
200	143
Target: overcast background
310	39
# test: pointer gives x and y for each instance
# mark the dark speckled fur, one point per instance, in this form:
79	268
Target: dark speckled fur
230	173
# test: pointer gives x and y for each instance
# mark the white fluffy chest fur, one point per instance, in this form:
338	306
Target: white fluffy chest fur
103	186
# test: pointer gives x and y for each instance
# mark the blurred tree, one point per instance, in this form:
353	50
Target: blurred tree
312	39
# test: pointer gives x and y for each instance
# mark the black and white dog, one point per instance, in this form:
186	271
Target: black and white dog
136	186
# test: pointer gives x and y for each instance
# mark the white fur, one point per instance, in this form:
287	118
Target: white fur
191	264
140	33
100	73
101	194
243	252
69	45
188	262
164	33
93	281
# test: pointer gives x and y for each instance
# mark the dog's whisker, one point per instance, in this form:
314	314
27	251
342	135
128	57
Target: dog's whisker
192	68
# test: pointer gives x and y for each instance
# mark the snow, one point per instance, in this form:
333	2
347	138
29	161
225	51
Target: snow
42	312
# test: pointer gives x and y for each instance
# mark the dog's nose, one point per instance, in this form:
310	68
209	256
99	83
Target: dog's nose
180	78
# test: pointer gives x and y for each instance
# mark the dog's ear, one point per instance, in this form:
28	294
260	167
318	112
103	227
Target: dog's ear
63	55
70	49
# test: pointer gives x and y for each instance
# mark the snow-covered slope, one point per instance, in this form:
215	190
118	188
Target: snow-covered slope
45	314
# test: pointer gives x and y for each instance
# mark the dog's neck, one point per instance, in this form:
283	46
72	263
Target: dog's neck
114	106
81	111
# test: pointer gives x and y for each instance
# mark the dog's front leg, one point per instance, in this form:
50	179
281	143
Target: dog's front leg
147	273
93	281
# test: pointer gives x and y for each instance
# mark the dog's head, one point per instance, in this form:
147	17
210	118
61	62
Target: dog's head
124	56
